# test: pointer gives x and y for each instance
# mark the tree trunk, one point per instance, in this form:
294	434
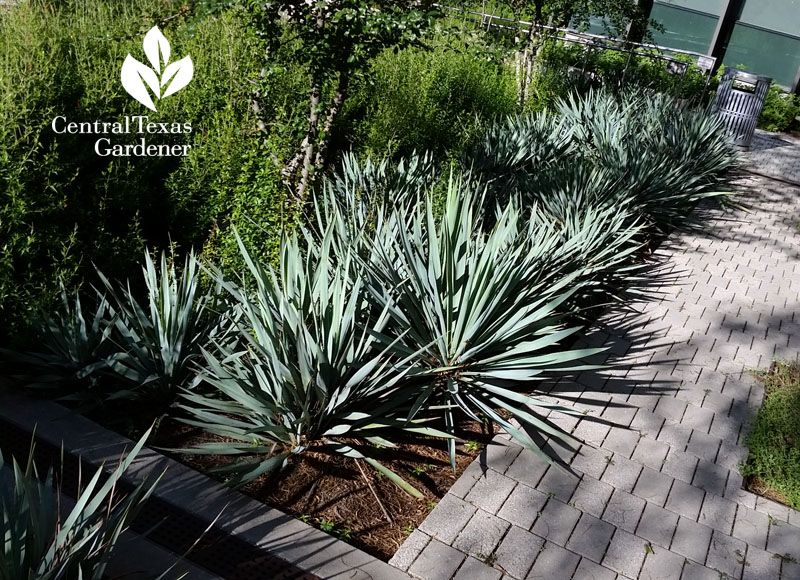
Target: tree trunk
333	112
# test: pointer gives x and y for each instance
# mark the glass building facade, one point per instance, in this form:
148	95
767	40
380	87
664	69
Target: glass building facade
765	38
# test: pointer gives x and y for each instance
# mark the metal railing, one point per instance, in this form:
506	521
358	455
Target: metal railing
670	56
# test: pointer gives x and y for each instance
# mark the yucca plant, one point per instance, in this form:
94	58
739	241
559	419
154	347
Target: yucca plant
72	341
653	155
309	372
42	541
514	149
159	341
476	316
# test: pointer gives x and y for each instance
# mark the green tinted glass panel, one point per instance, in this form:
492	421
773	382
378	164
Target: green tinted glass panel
765	53
683	29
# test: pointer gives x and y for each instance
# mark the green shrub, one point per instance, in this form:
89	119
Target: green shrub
565	67
434	100
780	110
306	372
64	208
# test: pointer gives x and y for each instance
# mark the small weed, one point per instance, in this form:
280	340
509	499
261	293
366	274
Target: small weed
471	446
408	529
304	518
344	534
417	470
609	460
488	560
740	557
326	526
648	548
432	504
785	558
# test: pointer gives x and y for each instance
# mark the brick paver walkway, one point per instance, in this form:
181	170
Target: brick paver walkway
657	495
775	155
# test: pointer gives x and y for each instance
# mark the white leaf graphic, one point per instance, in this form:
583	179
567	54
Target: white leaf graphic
183	71
154	44
134	75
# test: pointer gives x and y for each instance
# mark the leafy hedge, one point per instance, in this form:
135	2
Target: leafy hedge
64	208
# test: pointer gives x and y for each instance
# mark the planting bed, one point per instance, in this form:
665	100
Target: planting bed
241	538
338	494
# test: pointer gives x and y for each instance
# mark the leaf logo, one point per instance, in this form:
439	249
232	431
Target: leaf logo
138	77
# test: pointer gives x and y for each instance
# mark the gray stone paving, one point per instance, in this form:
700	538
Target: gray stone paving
775	155
658	494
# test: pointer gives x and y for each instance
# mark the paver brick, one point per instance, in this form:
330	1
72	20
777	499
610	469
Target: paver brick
650	453
726	554
588	570
625	554
590	461
661	564
447	519
518	551
559	483
657	525
437	561
592	496
675	435
592	432
410	549
751	526
554	563
591	537
490	491
481	535
621	441
527	468
621	473
698	418
653	486
760	564
623	510
556	522
703	445
671	409
620	414
464	483
790	570
499	454
693	571
685	500
776	510
522	506
691	540
784	539
718	513
710	477
474	569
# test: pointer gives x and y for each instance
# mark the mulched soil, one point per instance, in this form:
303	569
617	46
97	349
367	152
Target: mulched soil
333	492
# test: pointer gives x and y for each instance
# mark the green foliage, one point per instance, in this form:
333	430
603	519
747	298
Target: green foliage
474	312
64	208
428	100
43	541
305	370
774	440
124	348
565	67
159	342
780	110
639	151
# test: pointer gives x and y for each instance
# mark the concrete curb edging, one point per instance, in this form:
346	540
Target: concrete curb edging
267	529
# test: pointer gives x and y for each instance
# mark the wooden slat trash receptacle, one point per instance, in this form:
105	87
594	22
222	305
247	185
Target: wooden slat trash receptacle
738	103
